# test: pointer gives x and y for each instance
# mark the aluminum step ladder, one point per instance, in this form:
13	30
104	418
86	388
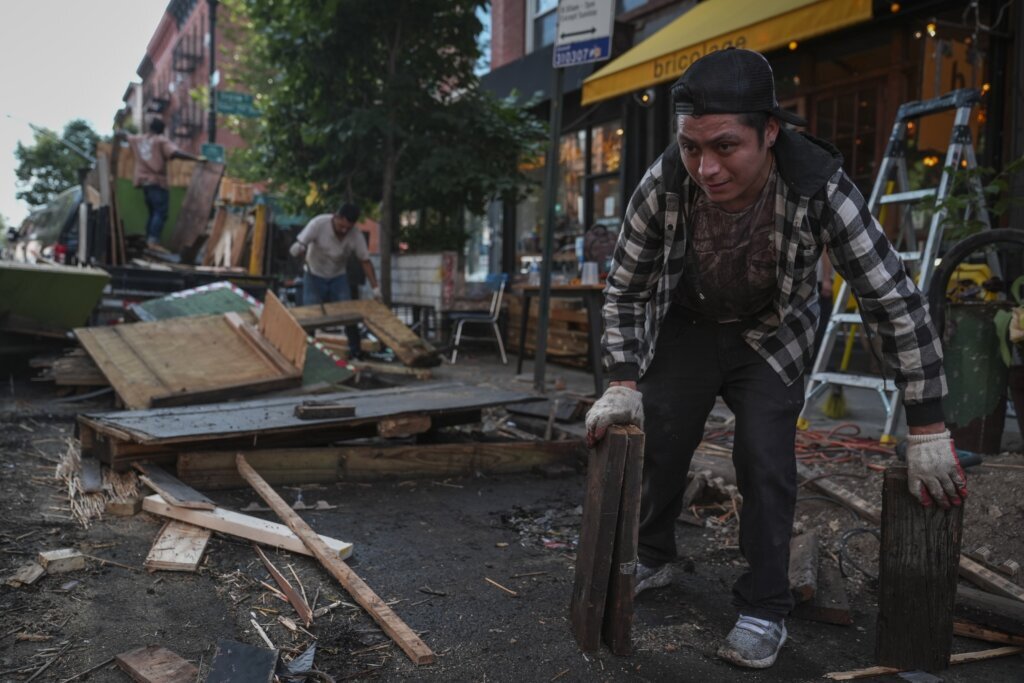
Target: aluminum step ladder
892	175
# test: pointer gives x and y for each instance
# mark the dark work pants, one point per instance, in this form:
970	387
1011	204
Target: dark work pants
697	360
158	203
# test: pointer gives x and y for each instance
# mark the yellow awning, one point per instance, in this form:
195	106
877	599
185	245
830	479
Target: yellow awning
760	25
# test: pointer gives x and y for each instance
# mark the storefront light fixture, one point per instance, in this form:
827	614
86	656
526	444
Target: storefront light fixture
793	45
645	98
930	161
985	87
932	28
894	7
619	132
918	34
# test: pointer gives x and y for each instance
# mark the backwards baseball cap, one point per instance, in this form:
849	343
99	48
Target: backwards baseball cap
730	81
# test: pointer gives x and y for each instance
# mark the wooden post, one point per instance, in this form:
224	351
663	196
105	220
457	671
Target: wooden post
918	561
606	556
618	613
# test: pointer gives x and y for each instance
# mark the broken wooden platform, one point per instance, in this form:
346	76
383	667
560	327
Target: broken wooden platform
198	359
119	438
378	318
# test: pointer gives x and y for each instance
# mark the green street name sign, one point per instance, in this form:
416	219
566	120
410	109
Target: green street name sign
212	152
236	103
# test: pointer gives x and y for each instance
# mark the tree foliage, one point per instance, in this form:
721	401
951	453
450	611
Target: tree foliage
48	166
379	102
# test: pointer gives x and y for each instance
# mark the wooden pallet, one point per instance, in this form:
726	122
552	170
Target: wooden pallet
123	437
378	318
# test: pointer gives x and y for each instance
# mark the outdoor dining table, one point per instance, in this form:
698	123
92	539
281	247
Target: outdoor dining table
593	298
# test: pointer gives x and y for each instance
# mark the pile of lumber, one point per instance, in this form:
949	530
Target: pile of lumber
567	330
120	438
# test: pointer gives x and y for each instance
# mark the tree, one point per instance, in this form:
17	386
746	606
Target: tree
49	166
378	102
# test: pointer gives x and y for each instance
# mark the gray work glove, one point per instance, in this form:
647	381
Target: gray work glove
934	472
618	406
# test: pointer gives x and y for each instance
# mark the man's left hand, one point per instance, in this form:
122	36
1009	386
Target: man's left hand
934	472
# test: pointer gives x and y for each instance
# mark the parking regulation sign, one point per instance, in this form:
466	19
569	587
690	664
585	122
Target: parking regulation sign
584	32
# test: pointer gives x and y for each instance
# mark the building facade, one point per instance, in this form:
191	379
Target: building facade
844	65
184	58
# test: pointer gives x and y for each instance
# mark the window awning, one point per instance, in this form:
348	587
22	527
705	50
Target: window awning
714	25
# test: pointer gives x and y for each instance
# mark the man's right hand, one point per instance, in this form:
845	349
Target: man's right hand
621	404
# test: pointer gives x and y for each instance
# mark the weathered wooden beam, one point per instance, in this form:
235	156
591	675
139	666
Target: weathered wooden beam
595	552
618	613
829	604
995	611
966	629
917	578
171	489
390	622
244	526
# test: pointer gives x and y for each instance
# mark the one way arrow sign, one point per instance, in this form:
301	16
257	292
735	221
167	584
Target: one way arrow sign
584	31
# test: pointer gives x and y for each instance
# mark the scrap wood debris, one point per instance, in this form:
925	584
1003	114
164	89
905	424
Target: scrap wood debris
118	487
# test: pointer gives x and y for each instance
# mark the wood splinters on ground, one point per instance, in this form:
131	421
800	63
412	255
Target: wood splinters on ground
498	585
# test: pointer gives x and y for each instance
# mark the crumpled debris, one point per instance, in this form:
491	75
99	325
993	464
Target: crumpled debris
550	528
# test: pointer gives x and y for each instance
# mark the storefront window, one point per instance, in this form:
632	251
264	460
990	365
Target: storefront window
589	194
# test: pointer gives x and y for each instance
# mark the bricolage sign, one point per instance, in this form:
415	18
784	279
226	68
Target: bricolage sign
584	32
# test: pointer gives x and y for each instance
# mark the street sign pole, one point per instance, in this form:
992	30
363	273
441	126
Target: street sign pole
583	35
550	196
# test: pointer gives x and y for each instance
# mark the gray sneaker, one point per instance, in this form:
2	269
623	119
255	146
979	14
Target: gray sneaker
651	577
753	643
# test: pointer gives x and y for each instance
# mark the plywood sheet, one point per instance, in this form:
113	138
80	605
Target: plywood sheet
283	331
196	207
191	359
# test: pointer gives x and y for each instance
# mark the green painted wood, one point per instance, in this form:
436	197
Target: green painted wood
131	209
221	297
59	297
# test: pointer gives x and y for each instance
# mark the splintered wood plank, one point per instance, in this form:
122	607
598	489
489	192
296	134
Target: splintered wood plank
390	623
970	630
984	577
155	664
605	473
147	364
244	526
403	425
171	489
283	331
240	663
961	658
618	614
178	547
301	608
196	206
378	318
917	572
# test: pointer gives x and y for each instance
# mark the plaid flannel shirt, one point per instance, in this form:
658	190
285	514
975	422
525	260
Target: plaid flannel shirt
816	206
